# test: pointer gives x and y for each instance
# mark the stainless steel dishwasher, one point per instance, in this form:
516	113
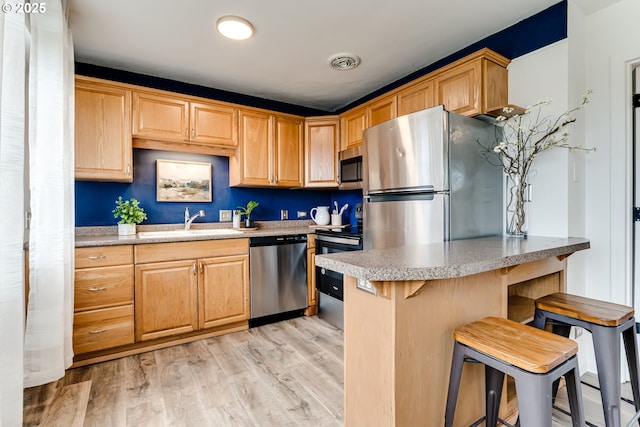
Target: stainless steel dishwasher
278	270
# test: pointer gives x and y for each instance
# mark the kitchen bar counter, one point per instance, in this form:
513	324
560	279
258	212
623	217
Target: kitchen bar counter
448	259
402	305
107	236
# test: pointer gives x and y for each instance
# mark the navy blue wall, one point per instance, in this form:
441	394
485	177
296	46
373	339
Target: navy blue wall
95	200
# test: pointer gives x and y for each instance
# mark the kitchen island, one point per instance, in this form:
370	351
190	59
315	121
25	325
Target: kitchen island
402	304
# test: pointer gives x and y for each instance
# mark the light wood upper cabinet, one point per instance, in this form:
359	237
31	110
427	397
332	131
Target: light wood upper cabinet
160	117
103	150
288	152
352	123
214	124
415	98
252	164
166	118
223	290
382	110
472	88
321	146
270	151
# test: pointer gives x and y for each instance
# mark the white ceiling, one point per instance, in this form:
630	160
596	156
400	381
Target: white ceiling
287	59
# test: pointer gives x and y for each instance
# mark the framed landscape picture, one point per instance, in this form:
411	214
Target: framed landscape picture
179	181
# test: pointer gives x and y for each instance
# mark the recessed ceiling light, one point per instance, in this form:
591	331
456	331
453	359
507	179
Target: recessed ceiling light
344	61
234	27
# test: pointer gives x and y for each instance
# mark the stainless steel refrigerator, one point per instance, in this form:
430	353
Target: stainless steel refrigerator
427	179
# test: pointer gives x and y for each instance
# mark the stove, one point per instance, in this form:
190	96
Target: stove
329	283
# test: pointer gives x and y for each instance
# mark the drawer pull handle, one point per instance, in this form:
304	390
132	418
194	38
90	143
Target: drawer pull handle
97	289
97	257
97	331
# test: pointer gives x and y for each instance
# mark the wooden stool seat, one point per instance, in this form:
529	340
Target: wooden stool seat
609	324
593	311
534	358
530	349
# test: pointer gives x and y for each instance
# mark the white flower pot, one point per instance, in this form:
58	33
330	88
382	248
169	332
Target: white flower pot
126	229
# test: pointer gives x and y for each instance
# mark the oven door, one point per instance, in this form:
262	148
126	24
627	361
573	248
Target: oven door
327	281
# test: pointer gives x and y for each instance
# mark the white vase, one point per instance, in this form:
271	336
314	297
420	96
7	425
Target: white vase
517	198
126	229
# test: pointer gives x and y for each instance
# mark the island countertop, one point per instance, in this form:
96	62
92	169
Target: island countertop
445	260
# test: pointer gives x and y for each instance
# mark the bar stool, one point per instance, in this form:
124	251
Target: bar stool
534	358
607	322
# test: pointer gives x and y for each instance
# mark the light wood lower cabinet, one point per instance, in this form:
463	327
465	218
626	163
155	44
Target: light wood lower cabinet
166	299
189	286
312	293
223	290
103	298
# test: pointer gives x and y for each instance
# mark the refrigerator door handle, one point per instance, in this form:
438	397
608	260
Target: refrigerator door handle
400	196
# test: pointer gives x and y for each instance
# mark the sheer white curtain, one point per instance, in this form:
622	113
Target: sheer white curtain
12	141
48	347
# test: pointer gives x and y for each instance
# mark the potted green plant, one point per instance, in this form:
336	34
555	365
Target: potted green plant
130	214
246	210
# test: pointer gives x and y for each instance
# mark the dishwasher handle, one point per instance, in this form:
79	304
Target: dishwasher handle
277	240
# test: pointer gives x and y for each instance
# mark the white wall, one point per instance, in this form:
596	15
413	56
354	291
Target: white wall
587	195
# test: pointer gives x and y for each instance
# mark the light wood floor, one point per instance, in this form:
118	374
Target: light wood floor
284	374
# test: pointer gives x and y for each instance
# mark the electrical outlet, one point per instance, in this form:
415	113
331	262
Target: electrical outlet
225	215
577	332
284	214
302	214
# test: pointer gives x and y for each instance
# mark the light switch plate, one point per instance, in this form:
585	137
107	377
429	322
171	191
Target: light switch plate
225	215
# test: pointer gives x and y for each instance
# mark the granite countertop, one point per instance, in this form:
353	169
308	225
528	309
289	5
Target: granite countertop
108	236
448	259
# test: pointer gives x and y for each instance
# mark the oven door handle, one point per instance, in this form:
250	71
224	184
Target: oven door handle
337	242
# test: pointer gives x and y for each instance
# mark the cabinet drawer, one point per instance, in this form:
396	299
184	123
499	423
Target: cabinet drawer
100	329
103	287
102	256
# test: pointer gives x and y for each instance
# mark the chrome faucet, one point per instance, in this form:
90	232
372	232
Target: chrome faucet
189	219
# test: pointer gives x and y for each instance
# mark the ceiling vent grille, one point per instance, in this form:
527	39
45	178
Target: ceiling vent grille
344	61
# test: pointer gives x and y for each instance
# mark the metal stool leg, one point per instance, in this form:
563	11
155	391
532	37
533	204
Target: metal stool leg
606	343
534	400
494	381
454	383
631	349
574	392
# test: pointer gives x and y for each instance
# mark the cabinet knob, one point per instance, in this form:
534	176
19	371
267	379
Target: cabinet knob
128	170
201	268
97	331
193	133
97	289
194	270
96	257
186	132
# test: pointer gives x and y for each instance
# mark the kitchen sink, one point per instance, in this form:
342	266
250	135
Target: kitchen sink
187	233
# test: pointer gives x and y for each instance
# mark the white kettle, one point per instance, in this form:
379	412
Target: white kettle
322	216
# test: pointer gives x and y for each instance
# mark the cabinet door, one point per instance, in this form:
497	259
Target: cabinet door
321	151
458	89
252	165
287	147
381	111
352	124
103	149
214	124
415	98
224	290
166	299
160	117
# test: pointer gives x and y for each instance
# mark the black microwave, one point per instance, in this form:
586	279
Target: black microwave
350	176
